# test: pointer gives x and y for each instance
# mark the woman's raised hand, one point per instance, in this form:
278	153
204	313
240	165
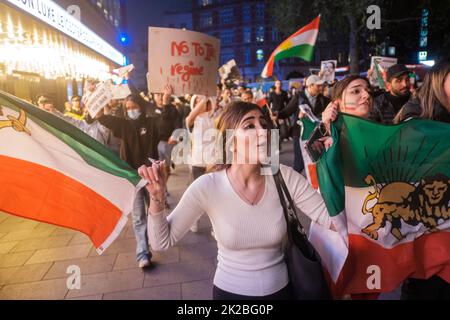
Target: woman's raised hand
154	175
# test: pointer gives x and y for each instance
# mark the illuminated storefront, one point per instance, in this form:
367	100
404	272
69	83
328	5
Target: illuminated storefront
45	50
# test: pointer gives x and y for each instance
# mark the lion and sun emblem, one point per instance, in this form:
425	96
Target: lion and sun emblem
402	202
18	124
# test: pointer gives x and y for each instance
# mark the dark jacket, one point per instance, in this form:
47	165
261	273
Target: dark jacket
293	109
387	106
169	119
278	101
412	109
140	138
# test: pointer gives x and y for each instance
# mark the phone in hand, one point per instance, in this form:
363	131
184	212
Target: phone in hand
314	146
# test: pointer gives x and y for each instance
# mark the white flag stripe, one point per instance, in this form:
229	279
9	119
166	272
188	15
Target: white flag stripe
308	37
44	149
357	221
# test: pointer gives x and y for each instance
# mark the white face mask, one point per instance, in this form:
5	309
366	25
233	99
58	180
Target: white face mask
134	114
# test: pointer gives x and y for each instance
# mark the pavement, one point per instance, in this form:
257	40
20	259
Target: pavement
34	260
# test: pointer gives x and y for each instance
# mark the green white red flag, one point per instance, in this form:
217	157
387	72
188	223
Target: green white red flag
389	199
300	44
54	173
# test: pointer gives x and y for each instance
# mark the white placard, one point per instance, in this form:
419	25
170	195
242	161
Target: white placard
121	72
99	99
230	72
120	91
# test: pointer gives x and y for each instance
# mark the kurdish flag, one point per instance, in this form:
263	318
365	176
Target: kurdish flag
300	44
389	199
54	173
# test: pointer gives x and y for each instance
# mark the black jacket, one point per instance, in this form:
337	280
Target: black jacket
387	106
140	138
169	119
293	109
412	109
278	101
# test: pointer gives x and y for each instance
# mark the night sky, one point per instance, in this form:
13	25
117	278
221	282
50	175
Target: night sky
137	19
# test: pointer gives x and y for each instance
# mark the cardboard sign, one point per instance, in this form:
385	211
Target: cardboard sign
230	72
379	65
328	70
186	60
121	72
99	99
120	91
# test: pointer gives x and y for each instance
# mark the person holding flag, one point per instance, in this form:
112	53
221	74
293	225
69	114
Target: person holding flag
401	225
433	103
311	97
397	95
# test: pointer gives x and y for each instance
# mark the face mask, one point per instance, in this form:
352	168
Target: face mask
134	114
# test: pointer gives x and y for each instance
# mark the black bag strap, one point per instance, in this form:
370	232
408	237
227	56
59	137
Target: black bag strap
283	204
284	193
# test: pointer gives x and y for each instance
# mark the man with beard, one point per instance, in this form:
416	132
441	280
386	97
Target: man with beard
389	103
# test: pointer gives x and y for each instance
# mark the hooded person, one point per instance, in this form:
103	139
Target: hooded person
139	134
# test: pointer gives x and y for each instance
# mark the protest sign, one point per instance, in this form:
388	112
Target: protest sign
99	98
328	70
121	72
379	66
230	72
186	60
120	91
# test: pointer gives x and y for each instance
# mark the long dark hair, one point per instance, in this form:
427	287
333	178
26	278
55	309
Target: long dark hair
135	98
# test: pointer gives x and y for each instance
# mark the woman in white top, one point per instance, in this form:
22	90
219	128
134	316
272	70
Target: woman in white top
244	209
199	121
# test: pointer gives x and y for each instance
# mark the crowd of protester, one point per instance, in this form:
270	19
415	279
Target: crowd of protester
142	127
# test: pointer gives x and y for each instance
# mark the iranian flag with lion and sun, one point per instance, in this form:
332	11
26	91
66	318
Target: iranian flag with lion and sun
387	189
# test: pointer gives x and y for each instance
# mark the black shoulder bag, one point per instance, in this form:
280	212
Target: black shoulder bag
303	262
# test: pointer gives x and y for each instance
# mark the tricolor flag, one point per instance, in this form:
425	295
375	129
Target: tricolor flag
260	99
307	127
387	189
54	173
300	44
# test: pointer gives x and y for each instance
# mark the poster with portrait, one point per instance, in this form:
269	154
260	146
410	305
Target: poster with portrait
187	60
230	72
379	66
328	70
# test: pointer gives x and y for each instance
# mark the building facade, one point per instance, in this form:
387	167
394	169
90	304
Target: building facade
46	48
247	33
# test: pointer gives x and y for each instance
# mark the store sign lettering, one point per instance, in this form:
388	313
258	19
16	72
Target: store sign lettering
52	14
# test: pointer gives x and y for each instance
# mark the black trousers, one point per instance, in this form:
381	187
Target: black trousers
434	288
283	294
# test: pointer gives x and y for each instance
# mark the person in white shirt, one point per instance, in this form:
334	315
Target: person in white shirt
244	209
199	121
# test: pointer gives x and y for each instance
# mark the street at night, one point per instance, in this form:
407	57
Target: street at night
224	150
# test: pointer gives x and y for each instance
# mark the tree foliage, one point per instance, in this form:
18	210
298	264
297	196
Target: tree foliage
346	20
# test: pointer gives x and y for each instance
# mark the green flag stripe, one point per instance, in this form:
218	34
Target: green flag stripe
406	152
304	51
308	127
90	150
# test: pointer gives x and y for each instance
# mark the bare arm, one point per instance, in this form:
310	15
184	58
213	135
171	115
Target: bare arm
308	200
165	232
199	108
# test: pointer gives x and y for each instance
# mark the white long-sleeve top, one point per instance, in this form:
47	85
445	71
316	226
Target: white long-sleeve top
249	238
